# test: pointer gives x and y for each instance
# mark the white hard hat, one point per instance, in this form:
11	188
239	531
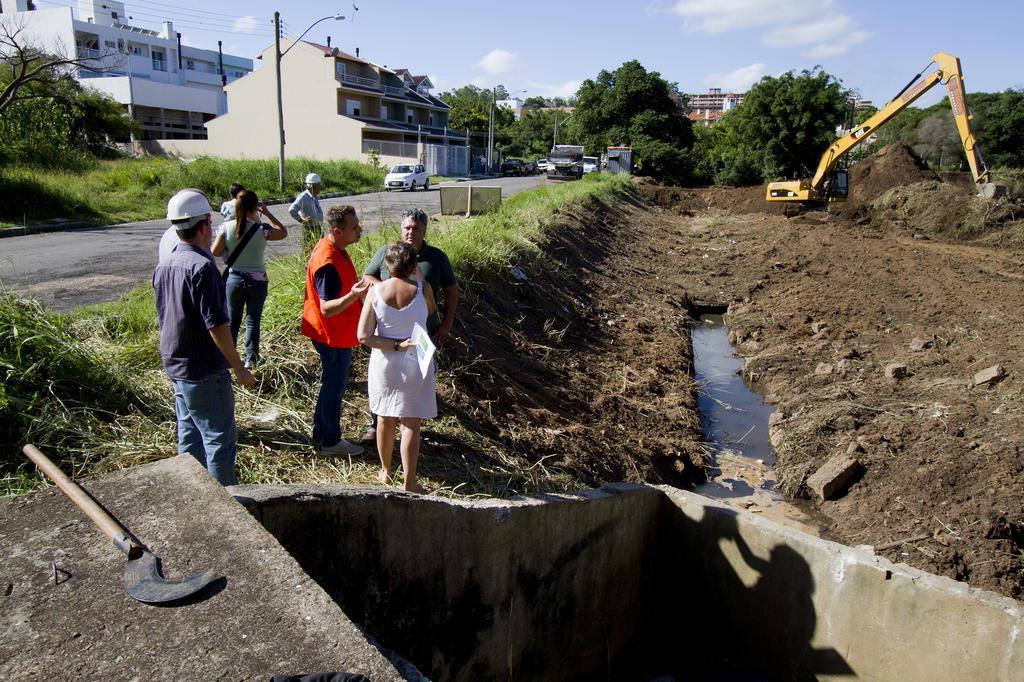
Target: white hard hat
312	179
186	204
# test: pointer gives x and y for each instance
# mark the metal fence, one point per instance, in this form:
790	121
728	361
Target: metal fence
442	159
399	149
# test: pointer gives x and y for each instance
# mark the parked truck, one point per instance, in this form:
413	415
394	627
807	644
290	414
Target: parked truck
565	162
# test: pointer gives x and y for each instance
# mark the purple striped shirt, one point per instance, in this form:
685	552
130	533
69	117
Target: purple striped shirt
189	303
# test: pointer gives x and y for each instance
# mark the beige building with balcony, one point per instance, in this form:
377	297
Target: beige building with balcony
336	106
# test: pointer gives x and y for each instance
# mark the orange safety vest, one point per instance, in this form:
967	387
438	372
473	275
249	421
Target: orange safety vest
338	331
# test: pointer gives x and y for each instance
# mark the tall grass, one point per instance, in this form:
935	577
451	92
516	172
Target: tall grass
117	368
137	189
59	388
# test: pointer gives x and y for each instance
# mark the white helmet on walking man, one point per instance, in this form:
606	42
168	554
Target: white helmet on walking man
312	179
188	207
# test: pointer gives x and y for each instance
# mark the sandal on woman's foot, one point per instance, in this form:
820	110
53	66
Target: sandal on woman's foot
384	477
418	489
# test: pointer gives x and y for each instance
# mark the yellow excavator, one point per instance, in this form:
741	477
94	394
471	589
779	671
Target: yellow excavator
830	184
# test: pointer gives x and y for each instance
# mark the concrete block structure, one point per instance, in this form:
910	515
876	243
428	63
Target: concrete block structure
171	90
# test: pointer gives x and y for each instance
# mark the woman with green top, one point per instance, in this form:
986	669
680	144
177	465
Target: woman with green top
247	278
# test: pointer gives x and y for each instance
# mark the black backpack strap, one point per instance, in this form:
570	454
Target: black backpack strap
233	256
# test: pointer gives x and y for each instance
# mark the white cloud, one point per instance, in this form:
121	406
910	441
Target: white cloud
481	82
498	61
719	16
789	24
566	89
737	80
813	32
837	47
247	24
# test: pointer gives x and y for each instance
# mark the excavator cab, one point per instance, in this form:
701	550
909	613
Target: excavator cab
837	186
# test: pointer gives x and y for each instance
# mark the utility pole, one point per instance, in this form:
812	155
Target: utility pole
490	136
220	61
280	102
277	66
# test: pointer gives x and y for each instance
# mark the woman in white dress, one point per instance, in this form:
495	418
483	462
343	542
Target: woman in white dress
400	394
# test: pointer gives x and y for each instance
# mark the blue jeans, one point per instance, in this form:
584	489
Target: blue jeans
244	291
334	364
206	423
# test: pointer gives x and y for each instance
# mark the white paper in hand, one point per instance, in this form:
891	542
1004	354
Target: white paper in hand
424	348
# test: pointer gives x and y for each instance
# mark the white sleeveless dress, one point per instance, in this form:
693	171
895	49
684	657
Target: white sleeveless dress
397	387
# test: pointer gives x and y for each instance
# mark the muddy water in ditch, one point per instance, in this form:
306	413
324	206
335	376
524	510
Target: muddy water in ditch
735	424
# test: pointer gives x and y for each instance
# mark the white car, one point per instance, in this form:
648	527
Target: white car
591	164
408	176
542	165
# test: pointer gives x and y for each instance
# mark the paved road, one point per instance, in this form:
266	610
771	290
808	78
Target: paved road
70	269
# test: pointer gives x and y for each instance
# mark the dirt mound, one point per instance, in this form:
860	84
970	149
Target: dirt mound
952	211
689	201
891	166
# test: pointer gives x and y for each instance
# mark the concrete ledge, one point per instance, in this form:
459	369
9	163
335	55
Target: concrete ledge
269	618
547	587
803	606
630	582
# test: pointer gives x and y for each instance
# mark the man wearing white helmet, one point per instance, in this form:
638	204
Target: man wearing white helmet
195	339
306	210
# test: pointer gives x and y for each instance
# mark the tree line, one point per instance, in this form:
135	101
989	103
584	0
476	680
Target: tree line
46	117
779	131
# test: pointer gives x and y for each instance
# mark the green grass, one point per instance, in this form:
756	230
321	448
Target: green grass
109	192
108	404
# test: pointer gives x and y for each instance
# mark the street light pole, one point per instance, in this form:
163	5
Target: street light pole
278	54
280	102
490	135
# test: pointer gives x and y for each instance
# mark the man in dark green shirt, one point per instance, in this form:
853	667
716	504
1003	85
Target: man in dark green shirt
437	272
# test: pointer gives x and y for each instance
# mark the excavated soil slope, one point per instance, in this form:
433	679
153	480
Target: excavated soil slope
589	369
943	462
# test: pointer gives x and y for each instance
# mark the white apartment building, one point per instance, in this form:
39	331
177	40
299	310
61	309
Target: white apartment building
714	100
514	104
171	89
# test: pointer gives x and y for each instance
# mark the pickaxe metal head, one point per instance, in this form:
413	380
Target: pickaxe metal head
144	582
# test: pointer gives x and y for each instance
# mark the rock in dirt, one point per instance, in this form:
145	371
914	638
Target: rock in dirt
919	344
823	368
895	371
990	375
818	327
831	479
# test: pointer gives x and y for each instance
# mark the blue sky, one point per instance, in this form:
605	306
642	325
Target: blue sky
548	48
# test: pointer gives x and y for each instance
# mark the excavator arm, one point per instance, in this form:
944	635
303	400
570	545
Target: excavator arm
827	184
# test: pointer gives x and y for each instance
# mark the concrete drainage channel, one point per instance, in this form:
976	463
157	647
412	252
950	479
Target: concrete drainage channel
629	582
